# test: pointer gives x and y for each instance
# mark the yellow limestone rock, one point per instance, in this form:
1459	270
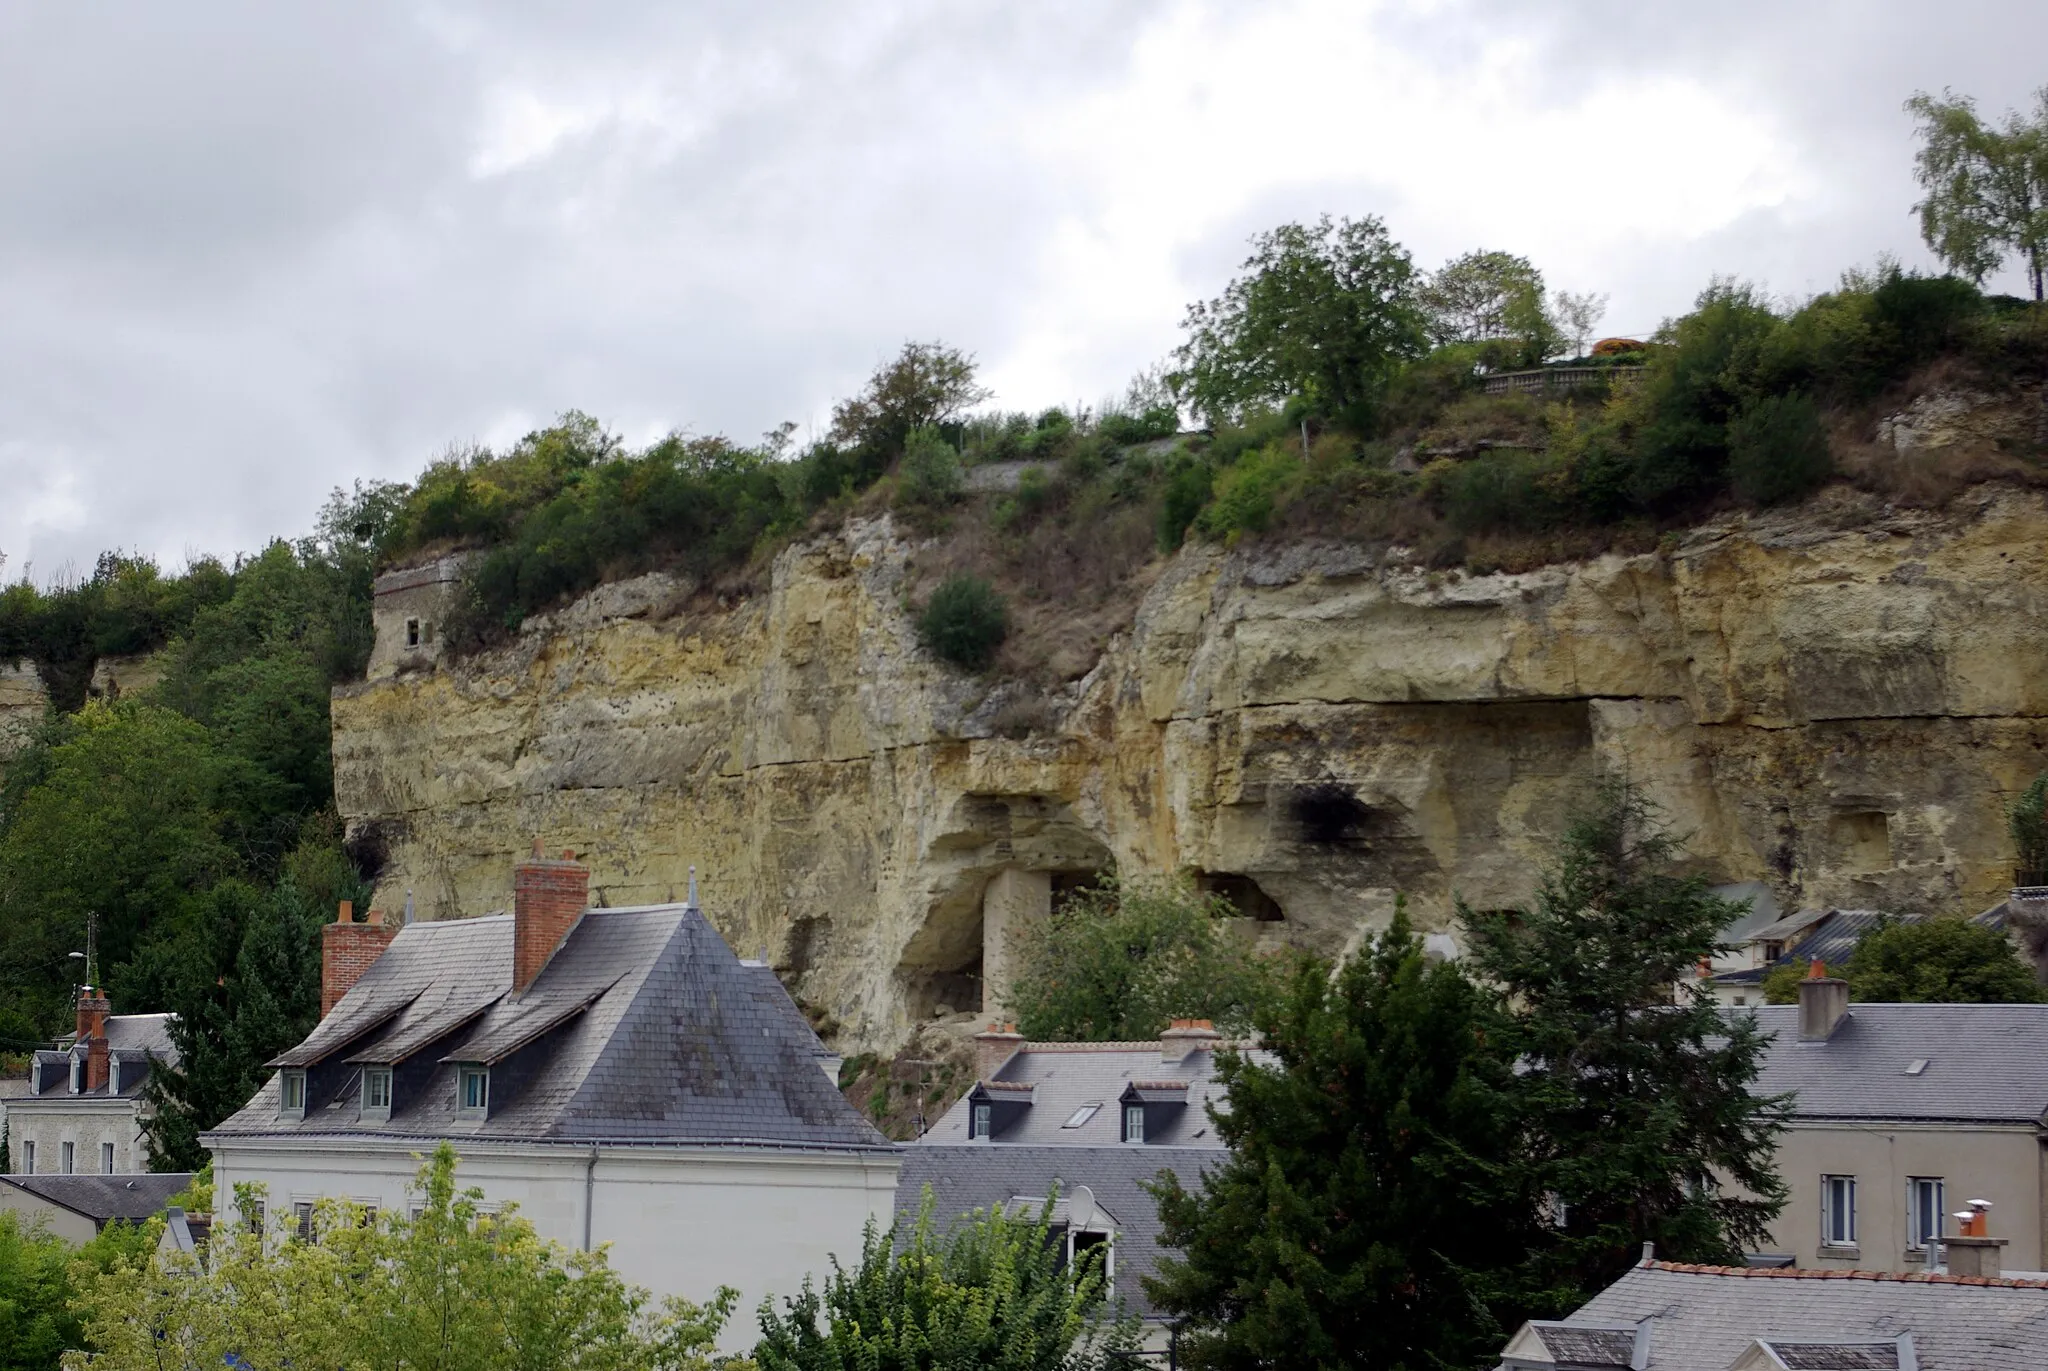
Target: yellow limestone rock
1838	712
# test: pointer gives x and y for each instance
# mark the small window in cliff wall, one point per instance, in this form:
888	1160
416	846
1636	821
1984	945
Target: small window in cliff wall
1862	841
1243	893
412	632
1329	815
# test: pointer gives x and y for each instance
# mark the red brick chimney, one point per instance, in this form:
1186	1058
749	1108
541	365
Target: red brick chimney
993	1047
547	899
92	1035
347	949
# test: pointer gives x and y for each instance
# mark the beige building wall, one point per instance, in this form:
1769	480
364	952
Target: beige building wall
56	1220
2001	1163
51	1121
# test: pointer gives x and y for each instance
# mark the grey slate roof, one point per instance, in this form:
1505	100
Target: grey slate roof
1066	1076
970	1176
1702	1318
1985	1062
105	1198
132	1040
643	1027
1829	934
1588	1346
1837	1356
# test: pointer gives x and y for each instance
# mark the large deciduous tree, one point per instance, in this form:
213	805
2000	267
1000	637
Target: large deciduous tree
1632	1086
1118	961
1986	185
1366	1214
990	1294
1324	312
1483	296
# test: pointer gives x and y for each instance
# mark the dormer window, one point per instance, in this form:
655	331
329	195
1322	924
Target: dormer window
1134	1123
472	1092
77	1074
376	1107
291	1094
114	1076
983	1126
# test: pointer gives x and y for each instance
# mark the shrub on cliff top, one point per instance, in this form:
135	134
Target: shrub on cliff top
964	622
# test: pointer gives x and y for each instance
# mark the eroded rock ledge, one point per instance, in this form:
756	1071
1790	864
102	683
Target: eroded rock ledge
1836	702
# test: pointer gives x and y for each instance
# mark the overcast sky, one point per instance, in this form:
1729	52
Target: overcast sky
251	251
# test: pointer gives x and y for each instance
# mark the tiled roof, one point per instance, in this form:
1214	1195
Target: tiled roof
643	1027
1588	1346
1065	1076
105	1198
1702	1318
1984	1062
1836	1356
1829	934
132	1039
973	1176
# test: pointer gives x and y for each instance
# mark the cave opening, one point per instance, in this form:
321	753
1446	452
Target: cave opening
1327	814
1243	894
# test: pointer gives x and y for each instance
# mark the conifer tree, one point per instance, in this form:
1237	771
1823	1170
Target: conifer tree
1633	1088
1364	1216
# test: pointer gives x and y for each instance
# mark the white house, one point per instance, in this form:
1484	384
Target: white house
617	1073
84	1108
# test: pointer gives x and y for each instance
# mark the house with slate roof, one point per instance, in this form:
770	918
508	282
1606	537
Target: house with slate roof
618	1074
1092	1122
75	1208
1664	1316
1902	1114
1827	935
83	1110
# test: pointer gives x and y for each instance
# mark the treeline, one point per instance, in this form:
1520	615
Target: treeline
190	824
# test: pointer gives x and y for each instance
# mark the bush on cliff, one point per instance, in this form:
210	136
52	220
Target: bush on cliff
964	622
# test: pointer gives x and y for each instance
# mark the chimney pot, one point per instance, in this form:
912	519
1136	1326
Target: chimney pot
1974	1252
346	913
547	899
1186	1036
994	1047
1823	1004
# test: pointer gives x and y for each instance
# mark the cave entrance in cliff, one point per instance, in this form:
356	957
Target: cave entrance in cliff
1243	894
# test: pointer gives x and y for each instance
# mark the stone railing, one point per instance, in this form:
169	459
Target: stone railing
1558	380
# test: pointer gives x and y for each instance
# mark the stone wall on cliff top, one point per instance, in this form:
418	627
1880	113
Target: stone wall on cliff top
1837	703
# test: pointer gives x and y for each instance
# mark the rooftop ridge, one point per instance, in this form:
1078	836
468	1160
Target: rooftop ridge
1798	1273
1141	1045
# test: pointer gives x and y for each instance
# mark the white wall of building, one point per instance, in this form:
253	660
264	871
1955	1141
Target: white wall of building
680	1221
50	1121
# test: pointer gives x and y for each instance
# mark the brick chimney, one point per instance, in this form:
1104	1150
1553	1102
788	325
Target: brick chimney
994	1047
1973	1251
92	1035
1823	1003
547	899
1185	1036
347	949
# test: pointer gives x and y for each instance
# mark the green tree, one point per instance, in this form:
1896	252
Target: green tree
450	1289
2027	821
1487	296
1938	961
964	622
121	822
1120	960
990	1295
1986	185
1364	1215
1633	1087
929	473
1777	449
1326	313
926	385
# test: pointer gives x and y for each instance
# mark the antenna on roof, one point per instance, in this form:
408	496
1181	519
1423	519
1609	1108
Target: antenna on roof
692	902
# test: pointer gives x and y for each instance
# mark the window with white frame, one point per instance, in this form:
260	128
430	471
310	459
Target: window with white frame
1134	1123
473	1091
302	1215
291	1094
376	1092
983	1123
1924	1207
77	1073
252	1216
106	1159
1838	1211
1084	1241
28	1156
67	1157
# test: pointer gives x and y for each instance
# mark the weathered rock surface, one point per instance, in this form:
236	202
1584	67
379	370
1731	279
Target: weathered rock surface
1836	704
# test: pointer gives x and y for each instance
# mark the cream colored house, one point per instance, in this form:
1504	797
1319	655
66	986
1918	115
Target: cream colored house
618	1074
83	1110
1904	1113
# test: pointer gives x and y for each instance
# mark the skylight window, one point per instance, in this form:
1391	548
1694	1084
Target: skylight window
1916	1066
1082	1115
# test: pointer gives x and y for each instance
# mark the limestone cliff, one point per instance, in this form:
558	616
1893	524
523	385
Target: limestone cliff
1836	703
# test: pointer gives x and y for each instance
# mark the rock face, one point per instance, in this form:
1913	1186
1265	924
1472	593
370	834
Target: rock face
1836	703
